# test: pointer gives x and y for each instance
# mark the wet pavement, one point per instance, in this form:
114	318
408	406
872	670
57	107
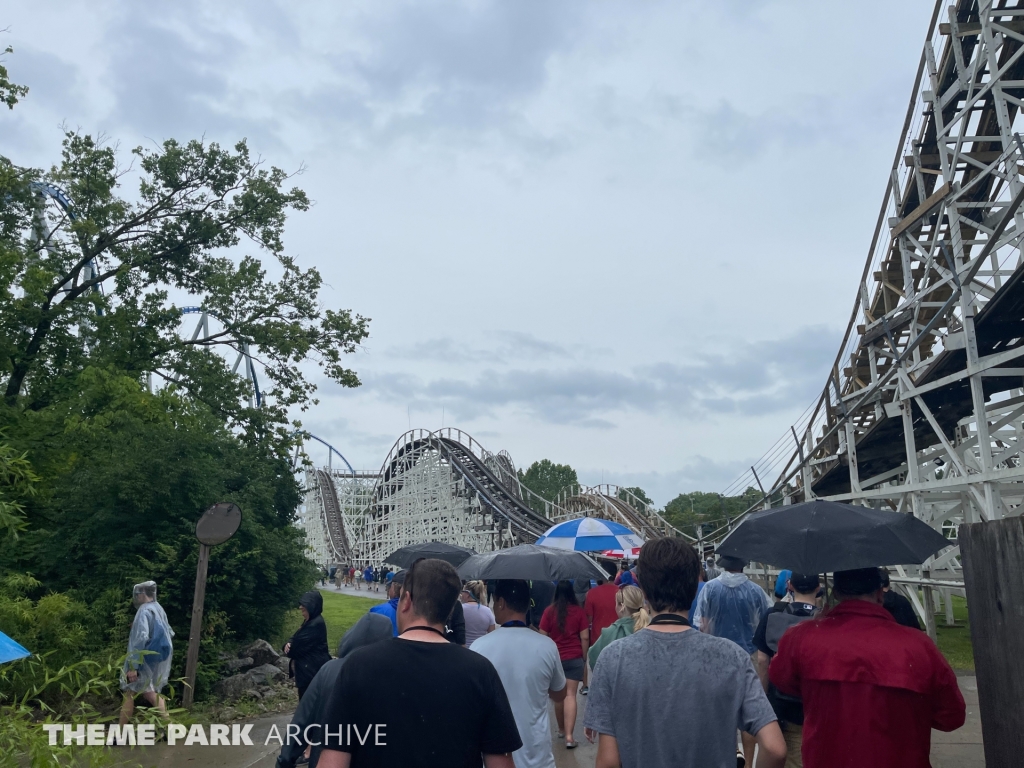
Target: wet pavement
364	592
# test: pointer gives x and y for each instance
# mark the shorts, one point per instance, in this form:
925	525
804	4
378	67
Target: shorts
573	669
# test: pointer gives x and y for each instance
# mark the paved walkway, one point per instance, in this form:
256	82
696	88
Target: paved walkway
960	749
382	595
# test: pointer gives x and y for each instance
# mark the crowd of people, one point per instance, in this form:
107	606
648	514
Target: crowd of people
684	663
374	577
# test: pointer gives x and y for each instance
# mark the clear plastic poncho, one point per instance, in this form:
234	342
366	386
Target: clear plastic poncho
732	606
150	648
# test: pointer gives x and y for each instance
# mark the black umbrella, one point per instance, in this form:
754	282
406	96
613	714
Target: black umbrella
826	536
450	553
530	562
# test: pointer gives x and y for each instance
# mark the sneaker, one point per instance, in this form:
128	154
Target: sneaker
584	690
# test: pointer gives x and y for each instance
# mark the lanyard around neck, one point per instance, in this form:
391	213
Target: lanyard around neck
670	618
428	629
514	623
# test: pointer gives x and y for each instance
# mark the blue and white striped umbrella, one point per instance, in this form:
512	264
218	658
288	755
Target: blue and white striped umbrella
589	534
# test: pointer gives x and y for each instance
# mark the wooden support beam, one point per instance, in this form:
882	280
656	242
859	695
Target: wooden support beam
993	560
921	211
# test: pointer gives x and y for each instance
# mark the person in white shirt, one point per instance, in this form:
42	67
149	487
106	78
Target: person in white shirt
530	669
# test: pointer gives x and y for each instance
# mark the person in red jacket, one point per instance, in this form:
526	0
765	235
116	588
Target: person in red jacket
600	607
872	690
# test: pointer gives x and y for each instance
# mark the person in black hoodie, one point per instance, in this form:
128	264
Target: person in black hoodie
311	712
308	647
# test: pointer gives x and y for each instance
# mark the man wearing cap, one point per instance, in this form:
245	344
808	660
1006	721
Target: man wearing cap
872	690
390	607
782	617
731	606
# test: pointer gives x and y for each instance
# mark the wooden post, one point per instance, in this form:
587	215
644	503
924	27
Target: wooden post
993	560
950	618
929	607
192	660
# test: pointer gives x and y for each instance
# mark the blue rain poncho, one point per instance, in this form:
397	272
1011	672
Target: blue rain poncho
150	649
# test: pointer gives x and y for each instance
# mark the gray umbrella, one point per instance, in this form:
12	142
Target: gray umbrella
530	562
438	550
826	536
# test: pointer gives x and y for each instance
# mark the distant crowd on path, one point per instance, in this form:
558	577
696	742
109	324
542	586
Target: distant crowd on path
678	654
375	578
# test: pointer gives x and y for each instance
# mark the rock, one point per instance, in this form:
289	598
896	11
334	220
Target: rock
246	683
232	687
239	665
283	663
264	673
252	694
261	652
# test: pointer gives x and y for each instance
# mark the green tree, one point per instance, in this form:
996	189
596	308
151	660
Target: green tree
94	289
86	318
124	474
546	479
637	492
10	93
710	510
17	482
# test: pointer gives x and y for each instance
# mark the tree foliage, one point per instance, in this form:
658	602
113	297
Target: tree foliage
102	479
17	482
124	477
624	494
94	288
710	510
546	479
10	93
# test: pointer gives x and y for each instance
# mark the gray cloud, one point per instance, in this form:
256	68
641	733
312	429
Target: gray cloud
506	346
696	472
756	379
176	75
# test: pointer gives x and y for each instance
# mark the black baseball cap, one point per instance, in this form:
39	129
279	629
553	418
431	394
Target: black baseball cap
805	583
730	563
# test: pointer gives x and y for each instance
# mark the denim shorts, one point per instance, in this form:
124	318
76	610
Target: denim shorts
573	669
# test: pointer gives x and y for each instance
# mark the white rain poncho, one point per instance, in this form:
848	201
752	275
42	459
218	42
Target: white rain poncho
151	633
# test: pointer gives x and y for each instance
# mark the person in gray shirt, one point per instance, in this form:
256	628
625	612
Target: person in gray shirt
671	696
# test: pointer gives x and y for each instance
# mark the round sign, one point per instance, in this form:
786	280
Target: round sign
218	523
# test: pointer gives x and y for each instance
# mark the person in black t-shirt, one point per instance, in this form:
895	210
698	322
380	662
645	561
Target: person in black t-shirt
542	594
416	700
897	604
779	618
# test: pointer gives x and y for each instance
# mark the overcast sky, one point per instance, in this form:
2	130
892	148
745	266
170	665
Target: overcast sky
623	236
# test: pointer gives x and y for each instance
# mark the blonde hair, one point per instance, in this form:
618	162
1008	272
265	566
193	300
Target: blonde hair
477	590
632	599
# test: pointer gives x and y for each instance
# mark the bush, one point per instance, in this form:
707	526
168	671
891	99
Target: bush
124	475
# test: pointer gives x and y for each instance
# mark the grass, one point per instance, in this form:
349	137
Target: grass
955	641
340	613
